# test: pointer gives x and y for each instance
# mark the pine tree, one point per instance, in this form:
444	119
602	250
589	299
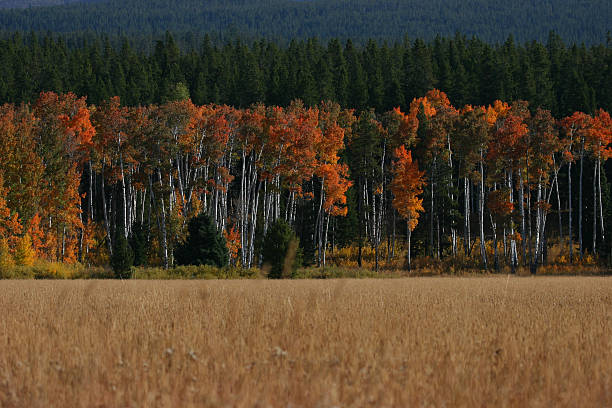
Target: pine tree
139	245
204	244
122	258
281	252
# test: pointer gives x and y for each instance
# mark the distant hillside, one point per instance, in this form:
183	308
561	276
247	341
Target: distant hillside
491	20
37	3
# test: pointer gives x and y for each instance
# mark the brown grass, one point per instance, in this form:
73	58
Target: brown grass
400	342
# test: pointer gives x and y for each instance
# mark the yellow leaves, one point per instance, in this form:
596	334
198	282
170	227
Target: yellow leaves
413	222
24	253
6	260
496	111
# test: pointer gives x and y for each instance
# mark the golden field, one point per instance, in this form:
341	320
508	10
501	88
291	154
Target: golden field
491	341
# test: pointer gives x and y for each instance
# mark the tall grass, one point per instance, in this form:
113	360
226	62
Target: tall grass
498	341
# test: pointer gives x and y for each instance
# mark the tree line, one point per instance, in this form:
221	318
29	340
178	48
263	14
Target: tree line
502	180
558	77
287	19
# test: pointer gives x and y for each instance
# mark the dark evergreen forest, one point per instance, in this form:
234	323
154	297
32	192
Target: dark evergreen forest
492	21
552	75
9	4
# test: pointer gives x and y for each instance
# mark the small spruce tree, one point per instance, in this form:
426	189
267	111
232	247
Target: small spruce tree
204	244
281	252
138	243
123	258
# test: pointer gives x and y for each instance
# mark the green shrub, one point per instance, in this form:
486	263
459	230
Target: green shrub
122	258
204	244
139	245
281	251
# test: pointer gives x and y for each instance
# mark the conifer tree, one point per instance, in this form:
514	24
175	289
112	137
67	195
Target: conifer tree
139	245
281	252
122	258
204	244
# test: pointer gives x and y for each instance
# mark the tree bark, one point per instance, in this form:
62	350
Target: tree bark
581	248
483	251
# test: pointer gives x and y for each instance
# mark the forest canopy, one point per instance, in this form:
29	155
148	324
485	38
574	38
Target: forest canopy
483	186
493	21
552	75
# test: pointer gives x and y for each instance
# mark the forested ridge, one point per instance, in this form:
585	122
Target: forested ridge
576	21
483	186
10	4
552	75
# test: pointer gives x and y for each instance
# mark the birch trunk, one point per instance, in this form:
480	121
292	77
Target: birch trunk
109	240
581	249
483	251
595	209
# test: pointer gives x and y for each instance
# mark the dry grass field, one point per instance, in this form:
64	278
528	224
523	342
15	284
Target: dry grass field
398	342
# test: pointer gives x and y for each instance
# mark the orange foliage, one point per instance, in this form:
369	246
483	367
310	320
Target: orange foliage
38	236
336	181
601	135
500	206
509	144
406	186
10	226
496	111
232	241
334	124
575	127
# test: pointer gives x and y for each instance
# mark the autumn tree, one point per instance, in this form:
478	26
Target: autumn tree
599	140
64	133
473	131
407	186
334	175
543	144
575	128
24	253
